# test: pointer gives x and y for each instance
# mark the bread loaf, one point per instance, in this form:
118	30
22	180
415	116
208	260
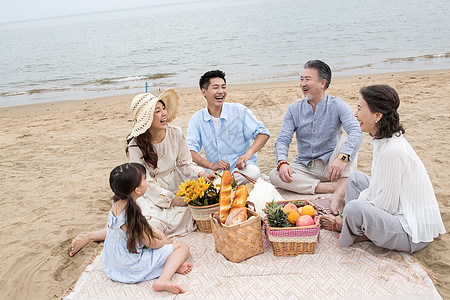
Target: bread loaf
225	196
240	197
236	216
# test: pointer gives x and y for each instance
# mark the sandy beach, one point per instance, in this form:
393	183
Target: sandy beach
56	158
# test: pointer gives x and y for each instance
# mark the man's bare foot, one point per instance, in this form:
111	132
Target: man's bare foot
337	203
326	187
185	268
160	285
330	222
78	243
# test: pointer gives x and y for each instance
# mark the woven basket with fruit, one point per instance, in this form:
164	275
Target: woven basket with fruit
292	226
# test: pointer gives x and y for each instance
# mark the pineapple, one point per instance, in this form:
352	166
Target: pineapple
275	216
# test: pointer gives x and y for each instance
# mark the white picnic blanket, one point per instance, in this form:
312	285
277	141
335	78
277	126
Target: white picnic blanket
363	271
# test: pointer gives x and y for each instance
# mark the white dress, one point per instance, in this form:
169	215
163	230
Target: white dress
175	165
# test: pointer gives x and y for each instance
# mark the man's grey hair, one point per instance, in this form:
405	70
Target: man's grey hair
321	67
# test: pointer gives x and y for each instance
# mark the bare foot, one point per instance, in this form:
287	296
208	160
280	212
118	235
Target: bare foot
185	268
78	243
337	203
160	285
330	222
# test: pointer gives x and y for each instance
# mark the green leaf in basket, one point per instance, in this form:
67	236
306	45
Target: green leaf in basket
299	203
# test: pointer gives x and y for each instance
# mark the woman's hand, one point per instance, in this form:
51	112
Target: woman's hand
178	201
208	177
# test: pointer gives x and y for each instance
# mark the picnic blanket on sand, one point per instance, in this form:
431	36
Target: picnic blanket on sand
363	271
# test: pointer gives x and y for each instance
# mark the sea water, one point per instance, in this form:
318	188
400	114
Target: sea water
113	53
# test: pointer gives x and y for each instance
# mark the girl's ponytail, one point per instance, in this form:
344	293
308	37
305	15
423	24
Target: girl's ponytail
136	224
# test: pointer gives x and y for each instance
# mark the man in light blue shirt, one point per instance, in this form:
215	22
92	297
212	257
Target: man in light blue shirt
229	133
324	159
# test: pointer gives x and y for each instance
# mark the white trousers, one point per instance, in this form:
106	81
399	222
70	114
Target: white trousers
251	171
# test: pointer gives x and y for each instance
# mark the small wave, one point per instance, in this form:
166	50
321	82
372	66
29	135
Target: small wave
8	94
286	65
413	58
352	68
134	78
100	89
30	92
40	91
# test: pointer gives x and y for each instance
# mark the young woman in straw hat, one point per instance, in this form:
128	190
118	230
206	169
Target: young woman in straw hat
395	208
163	150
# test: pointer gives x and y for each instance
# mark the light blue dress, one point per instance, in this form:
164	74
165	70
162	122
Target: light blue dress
121	265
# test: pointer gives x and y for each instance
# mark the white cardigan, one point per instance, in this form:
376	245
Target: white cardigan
400	185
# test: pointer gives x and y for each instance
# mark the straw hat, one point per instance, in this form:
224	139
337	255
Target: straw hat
143	106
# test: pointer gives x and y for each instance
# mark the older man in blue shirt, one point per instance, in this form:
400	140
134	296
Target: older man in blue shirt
324	159
229	133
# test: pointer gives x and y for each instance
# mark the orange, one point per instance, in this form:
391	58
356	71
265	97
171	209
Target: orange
308	210
293	216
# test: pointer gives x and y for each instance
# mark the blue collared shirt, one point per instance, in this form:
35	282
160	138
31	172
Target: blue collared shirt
238	127
318	132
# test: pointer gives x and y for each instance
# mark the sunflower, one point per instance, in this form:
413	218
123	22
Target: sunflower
202	186
186	187
197	192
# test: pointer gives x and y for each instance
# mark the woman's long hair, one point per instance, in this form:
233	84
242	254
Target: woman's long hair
143	141
385	100
123	180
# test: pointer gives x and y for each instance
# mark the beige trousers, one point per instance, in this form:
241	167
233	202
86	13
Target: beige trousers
306	178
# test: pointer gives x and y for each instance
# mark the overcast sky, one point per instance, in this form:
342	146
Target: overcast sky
19	10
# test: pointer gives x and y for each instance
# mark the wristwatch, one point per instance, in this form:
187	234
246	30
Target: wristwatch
343	157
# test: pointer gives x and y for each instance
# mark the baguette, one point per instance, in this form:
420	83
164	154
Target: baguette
225	196
240	197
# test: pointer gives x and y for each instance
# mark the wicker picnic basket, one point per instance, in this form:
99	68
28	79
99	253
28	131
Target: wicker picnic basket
240	241
292	241
202	216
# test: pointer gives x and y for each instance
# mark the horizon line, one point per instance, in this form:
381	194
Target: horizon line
99	12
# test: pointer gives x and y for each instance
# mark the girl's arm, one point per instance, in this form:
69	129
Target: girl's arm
156	243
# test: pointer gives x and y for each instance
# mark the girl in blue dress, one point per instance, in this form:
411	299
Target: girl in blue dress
133	251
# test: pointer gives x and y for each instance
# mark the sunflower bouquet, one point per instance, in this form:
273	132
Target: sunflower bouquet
199	192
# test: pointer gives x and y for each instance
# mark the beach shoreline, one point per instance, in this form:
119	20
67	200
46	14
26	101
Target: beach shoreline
192	89
56	157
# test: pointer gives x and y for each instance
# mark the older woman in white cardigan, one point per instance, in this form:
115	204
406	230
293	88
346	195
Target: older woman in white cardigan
396	207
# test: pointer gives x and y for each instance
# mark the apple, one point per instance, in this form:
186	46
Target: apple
288	208
304	220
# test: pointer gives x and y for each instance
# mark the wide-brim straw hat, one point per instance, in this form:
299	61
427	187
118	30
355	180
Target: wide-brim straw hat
143	107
